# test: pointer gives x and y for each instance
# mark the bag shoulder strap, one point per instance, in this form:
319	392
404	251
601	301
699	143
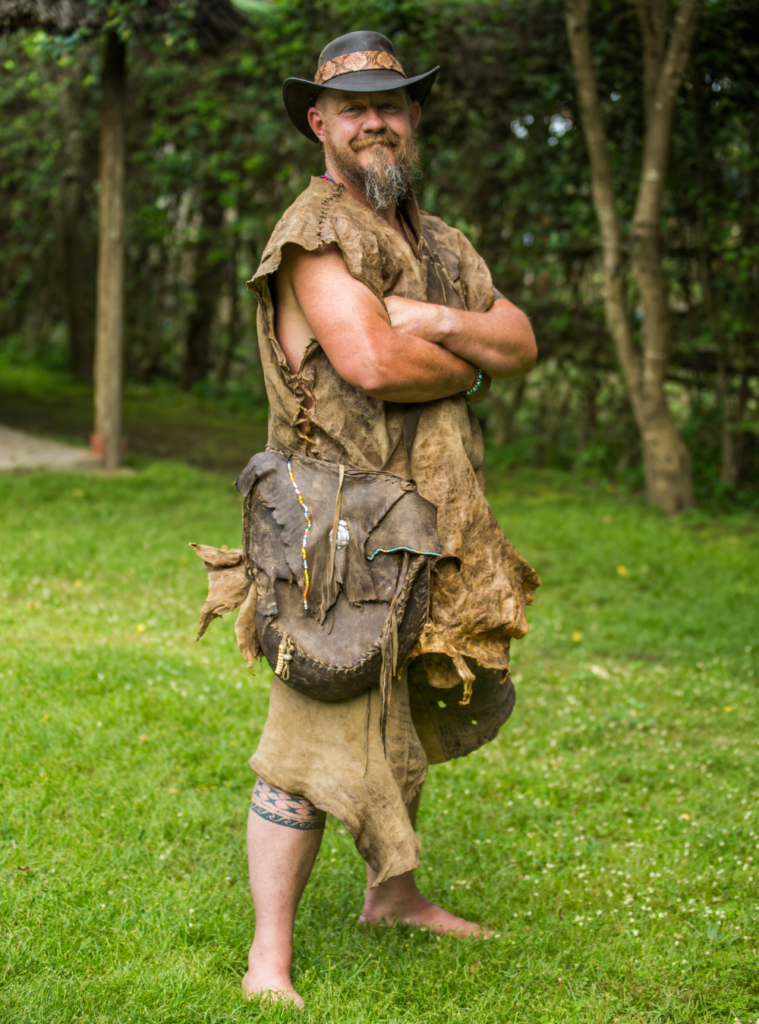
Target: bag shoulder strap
411	414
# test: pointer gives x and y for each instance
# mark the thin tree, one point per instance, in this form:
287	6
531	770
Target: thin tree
109	318
667	45
213	22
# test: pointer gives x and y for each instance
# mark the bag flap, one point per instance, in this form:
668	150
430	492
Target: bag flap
410	525
302	494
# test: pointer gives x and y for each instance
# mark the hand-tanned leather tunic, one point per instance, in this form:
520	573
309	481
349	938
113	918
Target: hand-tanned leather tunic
481	584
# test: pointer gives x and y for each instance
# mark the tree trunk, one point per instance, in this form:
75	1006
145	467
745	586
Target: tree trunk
733	410
207	286
110	284
667	464
669	473
81	337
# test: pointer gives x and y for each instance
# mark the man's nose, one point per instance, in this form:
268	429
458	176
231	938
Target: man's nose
372	121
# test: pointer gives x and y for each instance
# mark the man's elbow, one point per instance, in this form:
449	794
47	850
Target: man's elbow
368	375
375	383
528	350
521	358
371	384
529	354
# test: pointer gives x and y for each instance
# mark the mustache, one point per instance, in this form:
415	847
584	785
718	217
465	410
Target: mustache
385	138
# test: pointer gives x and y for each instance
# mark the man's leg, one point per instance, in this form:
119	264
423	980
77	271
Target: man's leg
284	834
398	899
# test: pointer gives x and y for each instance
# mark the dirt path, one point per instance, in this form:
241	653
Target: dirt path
19	450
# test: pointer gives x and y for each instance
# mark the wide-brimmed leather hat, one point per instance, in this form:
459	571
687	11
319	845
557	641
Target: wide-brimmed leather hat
356	62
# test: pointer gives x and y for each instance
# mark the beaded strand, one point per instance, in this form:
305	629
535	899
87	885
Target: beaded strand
305	535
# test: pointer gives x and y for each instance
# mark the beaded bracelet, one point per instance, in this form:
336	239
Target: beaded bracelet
476	386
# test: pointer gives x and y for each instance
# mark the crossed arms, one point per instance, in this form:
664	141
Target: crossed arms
420	352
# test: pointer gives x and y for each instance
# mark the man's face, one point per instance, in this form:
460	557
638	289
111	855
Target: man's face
369	138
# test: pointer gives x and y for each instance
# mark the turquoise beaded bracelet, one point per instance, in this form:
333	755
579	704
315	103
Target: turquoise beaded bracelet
476	386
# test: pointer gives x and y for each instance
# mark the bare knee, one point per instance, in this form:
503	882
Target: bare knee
287	809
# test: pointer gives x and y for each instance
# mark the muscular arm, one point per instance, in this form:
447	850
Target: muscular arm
317	297
500	342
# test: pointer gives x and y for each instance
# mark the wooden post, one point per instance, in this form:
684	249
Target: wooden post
110	284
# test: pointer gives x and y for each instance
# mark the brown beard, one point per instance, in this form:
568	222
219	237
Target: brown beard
385	181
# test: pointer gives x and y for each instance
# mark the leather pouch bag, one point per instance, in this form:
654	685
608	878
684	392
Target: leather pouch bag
341	560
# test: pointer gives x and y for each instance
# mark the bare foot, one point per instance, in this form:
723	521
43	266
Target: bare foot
269	986
416	911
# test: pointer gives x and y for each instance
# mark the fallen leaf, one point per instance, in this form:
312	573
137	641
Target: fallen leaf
143	738
473	968
173	792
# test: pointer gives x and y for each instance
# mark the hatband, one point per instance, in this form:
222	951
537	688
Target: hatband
366	60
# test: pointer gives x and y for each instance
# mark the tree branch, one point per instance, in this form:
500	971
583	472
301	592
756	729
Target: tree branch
646	226
653	19
659	127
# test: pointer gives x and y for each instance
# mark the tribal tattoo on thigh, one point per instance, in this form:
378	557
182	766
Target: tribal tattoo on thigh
286	809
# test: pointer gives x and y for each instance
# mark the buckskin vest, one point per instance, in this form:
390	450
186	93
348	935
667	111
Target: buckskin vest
481	584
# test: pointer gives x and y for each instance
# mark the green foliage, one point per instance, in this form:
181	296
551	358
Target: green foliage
503	159
29	143
609	834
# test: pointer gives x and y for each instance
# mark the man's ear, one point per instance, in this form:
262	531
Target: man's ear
416	114
316	121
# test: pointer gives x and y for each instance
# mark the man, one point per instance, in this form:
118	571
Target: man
367	306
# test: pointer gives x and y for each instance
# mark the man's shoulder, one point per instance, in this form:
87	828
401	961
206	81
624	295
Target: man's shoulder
323	212
299	224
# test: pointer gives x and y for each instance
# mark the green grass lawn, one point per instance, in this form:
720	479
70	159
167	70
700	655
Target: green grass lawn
610	835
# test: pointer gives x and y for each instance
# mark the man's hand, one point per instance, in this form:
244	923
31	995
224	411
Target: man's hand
318	297
500	342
